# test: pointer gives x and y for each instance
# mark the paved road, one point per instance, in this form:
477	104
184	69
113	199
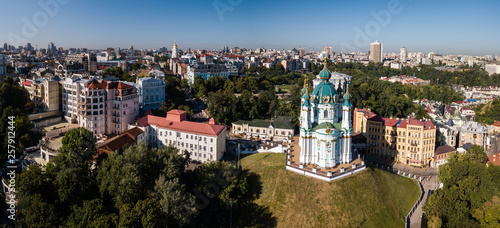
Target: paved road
416	218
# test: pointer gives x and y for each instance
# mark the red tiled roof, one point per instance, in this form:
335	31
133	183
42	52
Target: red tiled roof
390	122
122	85
183	126
117	142
416	122
96	85
494	158
367	113
26	83
176	112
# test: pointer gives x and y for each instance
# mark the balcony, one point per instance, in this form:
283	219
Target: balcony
116	121
413	144
116	114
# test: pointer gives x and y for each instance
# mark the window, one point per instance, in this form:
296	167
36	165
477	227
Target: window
326	114
211	140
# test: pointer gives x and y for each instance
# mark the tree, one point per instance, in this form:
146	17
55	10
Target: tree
77	150
92	213
467	185
489	214
176	204
138	178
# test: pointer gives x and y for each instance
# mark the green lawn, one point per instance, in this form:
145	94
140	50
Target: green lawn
372	198
285	88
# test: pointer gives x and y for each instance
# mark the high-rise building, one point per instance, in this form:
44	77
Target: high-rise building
3	64
51	48
175	52
29	47
376	50
403	55
328	51
100	107
5	46
302	52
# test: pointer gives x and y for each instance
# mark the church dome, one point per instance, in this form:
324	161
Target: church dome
324	93
325	74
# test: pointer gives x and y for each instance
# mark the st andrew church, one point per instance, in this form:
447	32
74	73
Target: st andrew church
325	122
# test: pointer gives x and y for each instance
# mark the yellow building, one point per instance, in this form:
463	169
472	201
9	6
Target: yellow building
44	93
409	141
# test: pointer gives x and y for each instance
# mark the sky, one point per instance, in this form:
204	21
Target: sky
440	26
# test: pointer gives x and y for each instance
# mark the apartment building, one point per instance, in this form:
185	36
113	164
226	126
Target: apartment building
102	107
207	71
409	141
204	141
43	92
151	92
475	133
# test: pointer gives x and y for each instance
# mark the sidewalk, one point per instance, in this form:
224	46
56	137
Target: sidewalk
416	218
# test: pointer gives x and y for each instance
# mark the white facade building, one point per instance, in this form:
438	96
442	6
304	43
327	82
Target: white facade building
376	50
204	141
100	107
403	54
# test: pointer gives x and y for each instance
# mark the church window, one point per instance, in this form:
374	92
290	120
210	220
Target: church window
326	114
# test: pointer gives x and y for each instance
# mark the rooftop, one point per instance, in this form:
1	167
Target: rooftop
180	124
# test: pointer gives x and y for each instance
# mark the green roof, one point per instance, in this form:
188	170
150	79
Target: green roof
283	122
324	125
325	88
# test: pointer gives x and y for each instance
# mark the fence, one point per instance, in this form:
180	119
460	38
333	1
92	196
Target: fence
407	220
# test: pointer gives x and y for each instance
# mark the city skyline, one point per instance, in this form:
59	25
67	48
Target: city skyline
440	27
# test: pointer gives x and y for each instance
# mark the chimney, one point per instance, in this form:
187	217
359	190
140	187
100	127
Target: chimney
212	121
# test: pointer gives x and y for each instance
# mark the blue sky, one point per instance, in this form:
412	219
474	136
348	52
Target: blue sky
449	27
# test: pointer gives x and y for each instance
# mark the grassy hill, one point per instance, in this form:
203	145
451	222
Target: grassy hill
372	198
